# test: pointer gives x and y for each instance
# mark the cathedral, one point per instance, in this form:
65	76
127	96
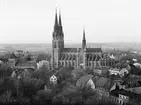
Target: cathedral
74	57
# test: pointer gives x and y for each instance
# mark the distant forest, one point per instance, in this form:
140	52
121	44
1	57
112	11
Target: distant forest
46	47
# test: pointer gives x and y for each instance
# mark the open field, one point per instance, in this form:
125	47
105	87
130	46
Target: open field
47	46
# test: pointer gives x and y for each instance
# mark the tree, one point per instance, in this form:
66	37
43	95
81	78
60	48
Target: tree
77	73
82	82
43	65
30	86
41	74
43	56
8	87
5	71
64	73
6	98
4	59
43	97
68	94
88	71
122	64
28	56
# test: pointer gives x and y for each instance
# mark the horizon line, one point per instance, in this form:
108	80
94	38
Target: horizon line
75	43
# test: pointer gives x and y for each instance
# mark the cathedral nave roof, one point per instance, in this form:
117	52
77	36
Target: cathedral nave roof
94	50
71	49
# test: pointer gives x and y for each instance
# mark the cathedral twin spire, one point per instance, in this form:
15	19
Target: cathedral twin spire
84	40
58	31
58	23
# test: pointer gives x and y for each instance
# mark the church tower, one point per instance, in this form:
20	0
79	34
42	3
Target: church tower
57	42
84	51
83	40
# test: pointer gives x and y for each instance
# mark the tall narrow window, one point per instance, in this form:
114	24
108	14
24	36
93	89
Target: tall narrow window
54	45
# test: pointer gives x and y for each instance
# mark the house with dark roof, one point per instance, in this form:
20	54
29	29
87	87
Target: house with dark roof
26	65
117	90
75	57
132	82
123	97
85	81
135	70
102	85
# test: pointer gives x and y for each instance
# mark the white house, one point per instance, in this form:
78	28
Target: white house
114	71
53	79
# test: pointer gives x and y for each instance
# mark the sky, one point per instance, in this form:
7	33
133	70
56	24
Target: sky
32	21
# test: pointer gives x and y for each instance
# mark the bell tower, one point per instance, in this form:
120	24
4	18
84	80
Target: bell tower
57	42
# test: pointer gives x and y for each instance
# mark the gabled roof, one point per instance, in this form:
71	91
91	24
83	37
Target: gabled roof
95	79
83	81
28	64
135	70
109	84
13	56
131	95
132	81
64	71
101	82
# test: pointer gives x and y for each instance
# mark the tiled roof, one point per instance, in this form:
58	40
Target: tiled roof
109	84
52	72
13	56
126	93
63	71
94	50
77	70
29	64
132	81
135	70
95	79
78	49
101	82
71	49
83	80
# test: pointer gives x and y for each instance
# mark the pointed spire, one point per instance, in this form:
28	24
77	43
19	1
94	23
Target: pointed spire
84	34
84	39
56	19
60	22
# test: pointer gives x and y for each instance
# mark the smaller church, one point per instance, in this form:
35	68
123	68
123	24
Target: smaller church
74	57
